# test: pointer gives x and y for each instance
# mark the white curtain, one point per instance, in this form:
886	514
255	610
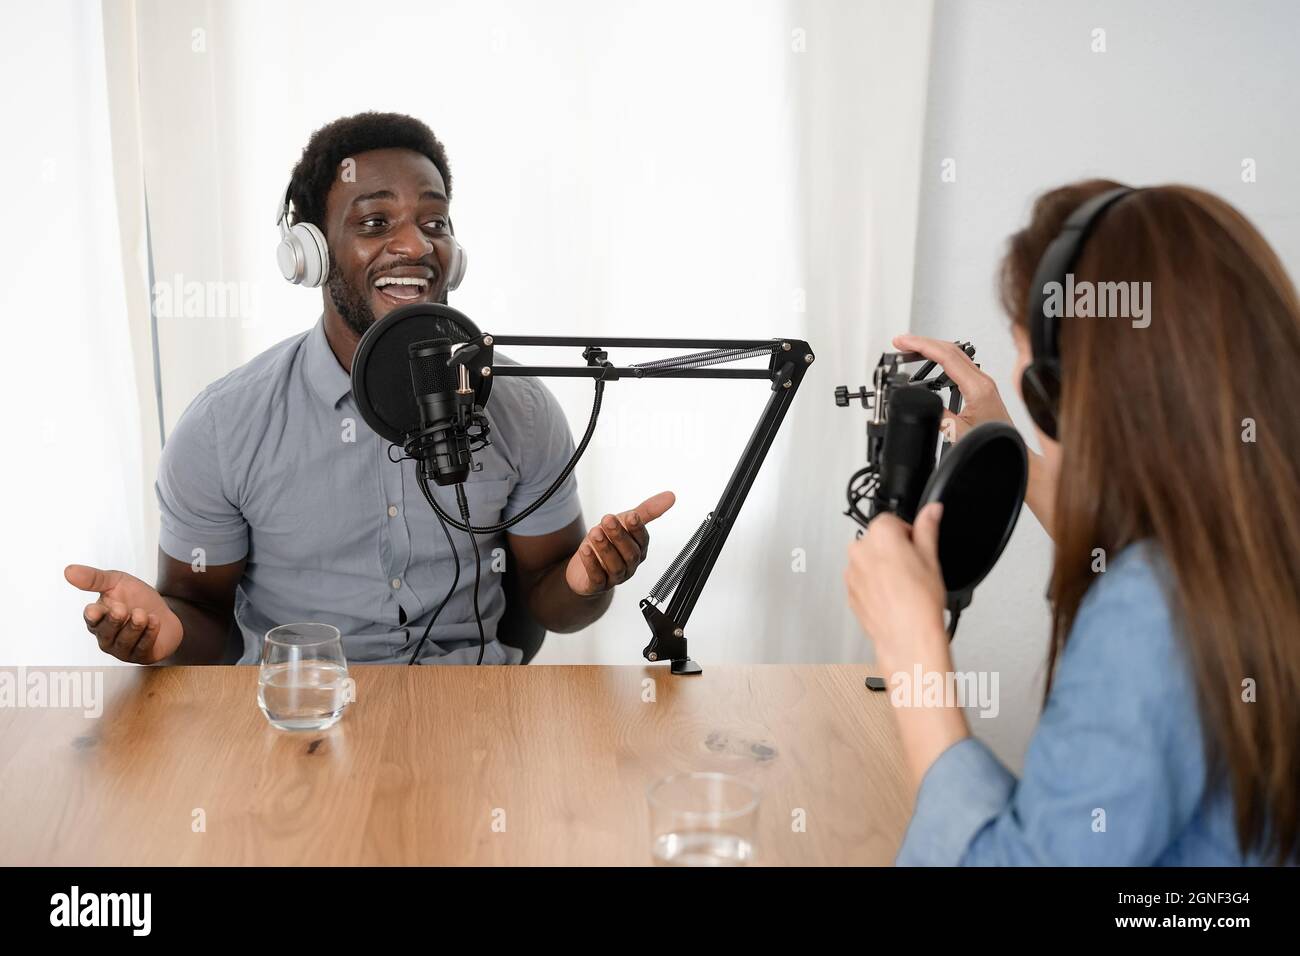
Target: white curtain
77	387
729	169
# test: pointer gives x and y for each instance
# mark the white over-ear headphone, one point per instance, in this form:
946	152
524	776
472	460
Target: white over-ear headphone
302	254
304	257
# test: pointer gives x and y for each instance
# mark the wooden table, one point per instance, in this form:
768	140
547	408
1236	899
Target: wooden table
427	758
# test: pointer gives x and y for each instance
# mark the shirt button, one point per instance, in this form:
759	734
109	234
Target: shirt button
392	511
396	583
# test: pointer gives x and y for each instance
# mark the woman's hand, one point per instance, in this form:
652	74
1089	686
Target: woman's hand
897	593
896	588
982	403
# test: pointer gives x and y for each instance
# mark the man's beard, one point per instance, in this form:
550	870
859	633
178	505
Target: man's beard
353	304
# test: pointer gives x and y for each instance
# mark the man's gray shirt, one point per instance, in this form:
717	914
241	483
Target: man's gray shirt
273	463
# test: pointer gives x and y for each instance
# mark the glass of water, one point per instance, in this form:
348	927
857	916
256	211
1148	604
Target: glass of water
303	683
703	819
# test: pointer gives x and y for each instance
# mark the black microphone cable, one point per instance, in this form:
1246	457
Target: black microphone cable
471	530
455	557
463	504
468	527
478	563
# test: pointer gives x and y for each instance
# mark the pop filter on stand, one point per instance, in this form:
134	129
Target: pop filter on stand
381	376
981	484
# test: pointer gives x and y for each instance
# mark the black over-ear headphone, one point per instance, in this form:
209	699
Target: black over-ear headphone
1040	383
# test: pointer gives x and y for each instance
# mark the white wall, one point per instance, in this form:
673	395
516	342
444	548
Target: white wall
1183	93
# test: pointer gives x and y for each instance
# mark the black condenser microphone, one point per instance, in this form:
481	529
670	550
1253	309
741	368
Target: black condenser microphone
908	452
980	481
443	445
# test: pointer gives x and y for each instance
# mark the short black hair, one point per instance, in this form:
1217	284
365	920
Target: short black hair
310	182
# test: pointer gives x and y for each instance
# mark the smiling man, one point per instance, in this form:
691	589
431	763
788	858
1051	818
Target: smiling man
279	505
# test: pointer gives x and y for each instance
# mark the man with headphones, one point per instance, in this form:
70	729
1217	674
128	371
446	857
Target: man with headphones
277	502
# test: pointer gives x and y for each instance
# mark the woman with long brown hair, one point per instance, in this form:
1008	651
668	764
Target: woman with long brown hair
1171	728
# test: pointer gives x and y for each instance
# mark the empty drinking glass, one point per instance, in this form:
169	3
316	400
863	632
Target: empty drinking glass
703	819
303	683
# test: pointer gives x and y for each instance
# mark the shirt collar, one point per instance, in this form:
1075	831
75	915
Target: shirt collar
324	372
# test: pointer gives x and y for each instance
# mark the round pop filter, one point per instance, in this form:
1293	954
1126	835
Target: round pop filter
981	483
381	370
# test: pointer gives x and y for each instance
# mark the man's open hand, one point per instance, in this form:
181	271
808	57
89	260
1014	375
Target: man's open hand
612	550
130	620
